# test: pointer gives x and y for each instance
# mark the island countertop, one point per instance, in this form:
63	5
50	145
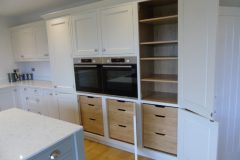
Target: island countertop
24	134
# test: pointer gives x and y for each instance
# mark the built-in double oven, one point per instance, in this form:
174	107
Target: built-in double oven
112	76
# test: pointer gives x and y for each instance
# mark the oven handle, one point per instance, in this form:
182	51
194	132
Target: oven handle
85	66
105	66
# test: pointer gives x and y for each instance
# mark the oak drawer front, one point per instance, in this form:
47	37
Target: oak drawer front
64	150
159	124
91	109
116	106
159	141
93	124
91	100
161	111
121	132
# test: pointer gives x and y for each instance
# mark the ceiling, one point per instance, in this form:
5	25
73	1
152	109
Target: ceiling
23	7
234	3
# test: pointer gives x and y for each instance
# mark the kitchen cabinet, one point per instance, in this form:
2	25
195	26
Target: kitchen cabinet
92	114
86	34
36	104
30	42
60	50
106	31
120	117
7	98
68	107
51	104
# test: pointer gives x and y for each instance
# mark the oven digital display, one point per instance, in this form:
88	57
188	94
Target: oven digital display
86	60
118	60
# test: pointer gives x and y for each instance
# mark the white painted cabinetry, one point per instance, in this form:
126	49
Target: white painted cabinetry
60	50
106	31
117	31
51	103
7	98
86	34
30	42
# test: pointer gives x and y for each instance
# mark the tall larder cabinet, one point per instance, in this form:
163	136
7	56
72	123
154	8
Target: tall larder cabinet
177	42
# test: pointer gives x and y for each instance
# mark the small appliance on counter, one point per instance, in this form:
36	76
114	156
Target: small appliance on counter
16	76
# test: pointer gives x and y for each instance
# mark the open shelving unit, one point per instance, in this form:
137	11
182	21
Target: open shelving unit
158	32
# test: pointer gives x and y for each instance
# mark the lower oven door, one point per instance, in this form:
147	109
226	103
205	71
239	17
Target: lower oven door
88	78
120	80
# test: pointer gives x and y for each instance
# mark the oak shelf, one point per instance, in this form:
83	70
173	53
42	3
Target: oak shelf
159	42
161	20
159	58
162	97
161	78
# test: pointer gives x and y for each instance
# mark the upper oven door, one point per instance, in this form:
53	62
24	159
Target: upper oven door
120	80
88	78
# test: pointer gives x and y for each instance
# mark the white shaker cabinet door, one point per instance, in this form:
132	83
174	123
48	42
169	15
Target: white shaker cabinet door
85	34
197	38
7	99
68	107
117	30
60	53
197	137
41	41
24	43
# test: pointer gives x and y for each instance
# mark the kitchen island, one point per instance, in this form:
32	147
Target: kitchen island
29	136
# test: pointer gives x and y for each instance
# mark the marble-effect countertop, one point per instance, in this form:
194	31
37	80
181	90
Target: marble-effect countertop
24	134
32	83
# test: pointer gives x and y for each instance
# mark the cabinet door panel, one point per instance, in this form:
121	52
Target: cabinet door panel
197	137
60	51
85	33
117	30
7	99
41	41
68	107
198	24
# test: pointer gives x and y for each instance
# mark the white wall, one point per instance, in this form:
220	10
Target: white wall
228	84
42	69
6	56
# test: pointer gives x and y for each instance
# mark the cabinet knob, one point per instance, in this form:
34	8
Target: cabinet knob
104	50
37	100
27	98
22	56
55	154
95	50
50	94
46	55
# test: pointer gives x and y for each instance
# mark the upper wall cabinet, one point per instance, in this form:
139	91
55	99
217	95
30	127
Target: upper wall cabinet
117	30
86	35
104	32
197	47
30	42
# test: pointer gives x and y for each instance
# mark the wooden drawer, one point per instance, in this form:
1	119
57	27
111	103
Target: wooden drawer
158	141
93	124
90	109
65	149
91	100
116	106
121	132
167	112
160	128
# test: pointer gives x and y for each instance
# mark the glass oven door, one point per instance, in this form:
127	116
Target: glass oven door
88	78
120	80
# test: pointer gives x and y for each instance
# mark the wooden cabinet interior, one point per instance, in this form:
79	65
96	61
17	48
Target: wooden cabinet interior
158	32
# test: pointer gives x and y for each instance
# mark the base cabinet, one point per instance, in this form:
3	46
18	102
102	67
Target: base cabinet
91	114
160	128
120	119
7	99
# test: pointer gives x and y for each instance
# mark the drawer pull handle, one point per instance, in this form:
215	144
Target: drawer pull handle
91	105
120	101
159	106
122	110
160	116
160	134
90	97
92	119
122	126
55	154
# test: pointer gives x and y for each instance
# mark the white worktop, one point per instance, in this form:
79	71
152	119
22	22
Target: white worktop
32	83
25	134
